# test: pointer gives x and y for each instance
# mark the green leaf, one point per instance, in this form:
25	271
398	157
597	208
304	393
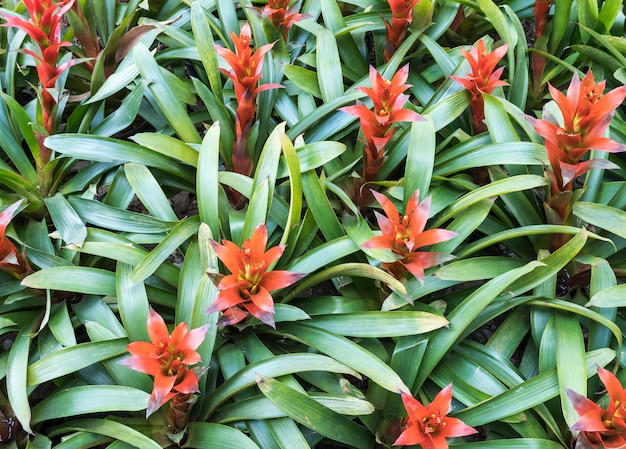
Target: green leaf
203	35
501	187
124	116
463	315
379	324
602	216
163	93
570	362
478	268
279	365
328	64
201	435
66	220
535	391
149	192
510	153
207	185
16	384
420	159
320	206
313	415
132	302
93	281
168	146
89	399
106	149
514	443
609	297
350	353
260	408
112	429
179	235
69	360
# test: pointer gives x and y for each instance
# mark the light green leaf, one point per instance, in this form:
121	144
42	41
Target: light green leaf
340	348
379	324
313	415
66	220
202	435
163	93
69	360
149	192
89	399
179	235
93	281
112	429
328	63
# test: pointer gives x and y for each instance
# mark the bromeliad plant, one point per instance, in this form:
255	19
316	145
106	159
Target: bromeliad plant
334	300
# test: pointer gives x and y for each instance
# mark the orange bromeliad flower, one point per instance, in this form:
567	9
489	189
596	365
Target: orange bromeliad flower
401	18
283	15
586	116
404	235
167	358
44	28
245	73
428	425
388	99
599	427
10	258
249	284
483	79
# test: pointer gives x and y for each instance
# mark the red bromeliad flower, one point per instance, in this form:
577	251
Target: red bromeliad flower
246	68
167	358
377	124
541	11
599	427
483	79
44	28
249	284
586	116
428	425
283	15
401	18
404	235
10	258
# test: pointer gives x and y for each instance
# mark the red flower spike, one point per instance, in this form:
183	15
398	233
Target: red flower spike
376	124
428	425
401	18
10	258
586	116
44	28
483	79
245	73
282	15
247	289
601	427
167	358
404	235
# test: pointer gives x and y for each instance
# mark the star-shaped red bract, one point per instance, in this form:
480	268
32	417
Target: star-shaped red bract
247	289
404	235
599	427
388	98
10	258
586	115
428	425
484	78
167	358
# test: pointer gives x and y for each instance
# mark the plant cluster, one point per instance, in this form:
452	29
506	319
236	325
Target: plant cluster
312	224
